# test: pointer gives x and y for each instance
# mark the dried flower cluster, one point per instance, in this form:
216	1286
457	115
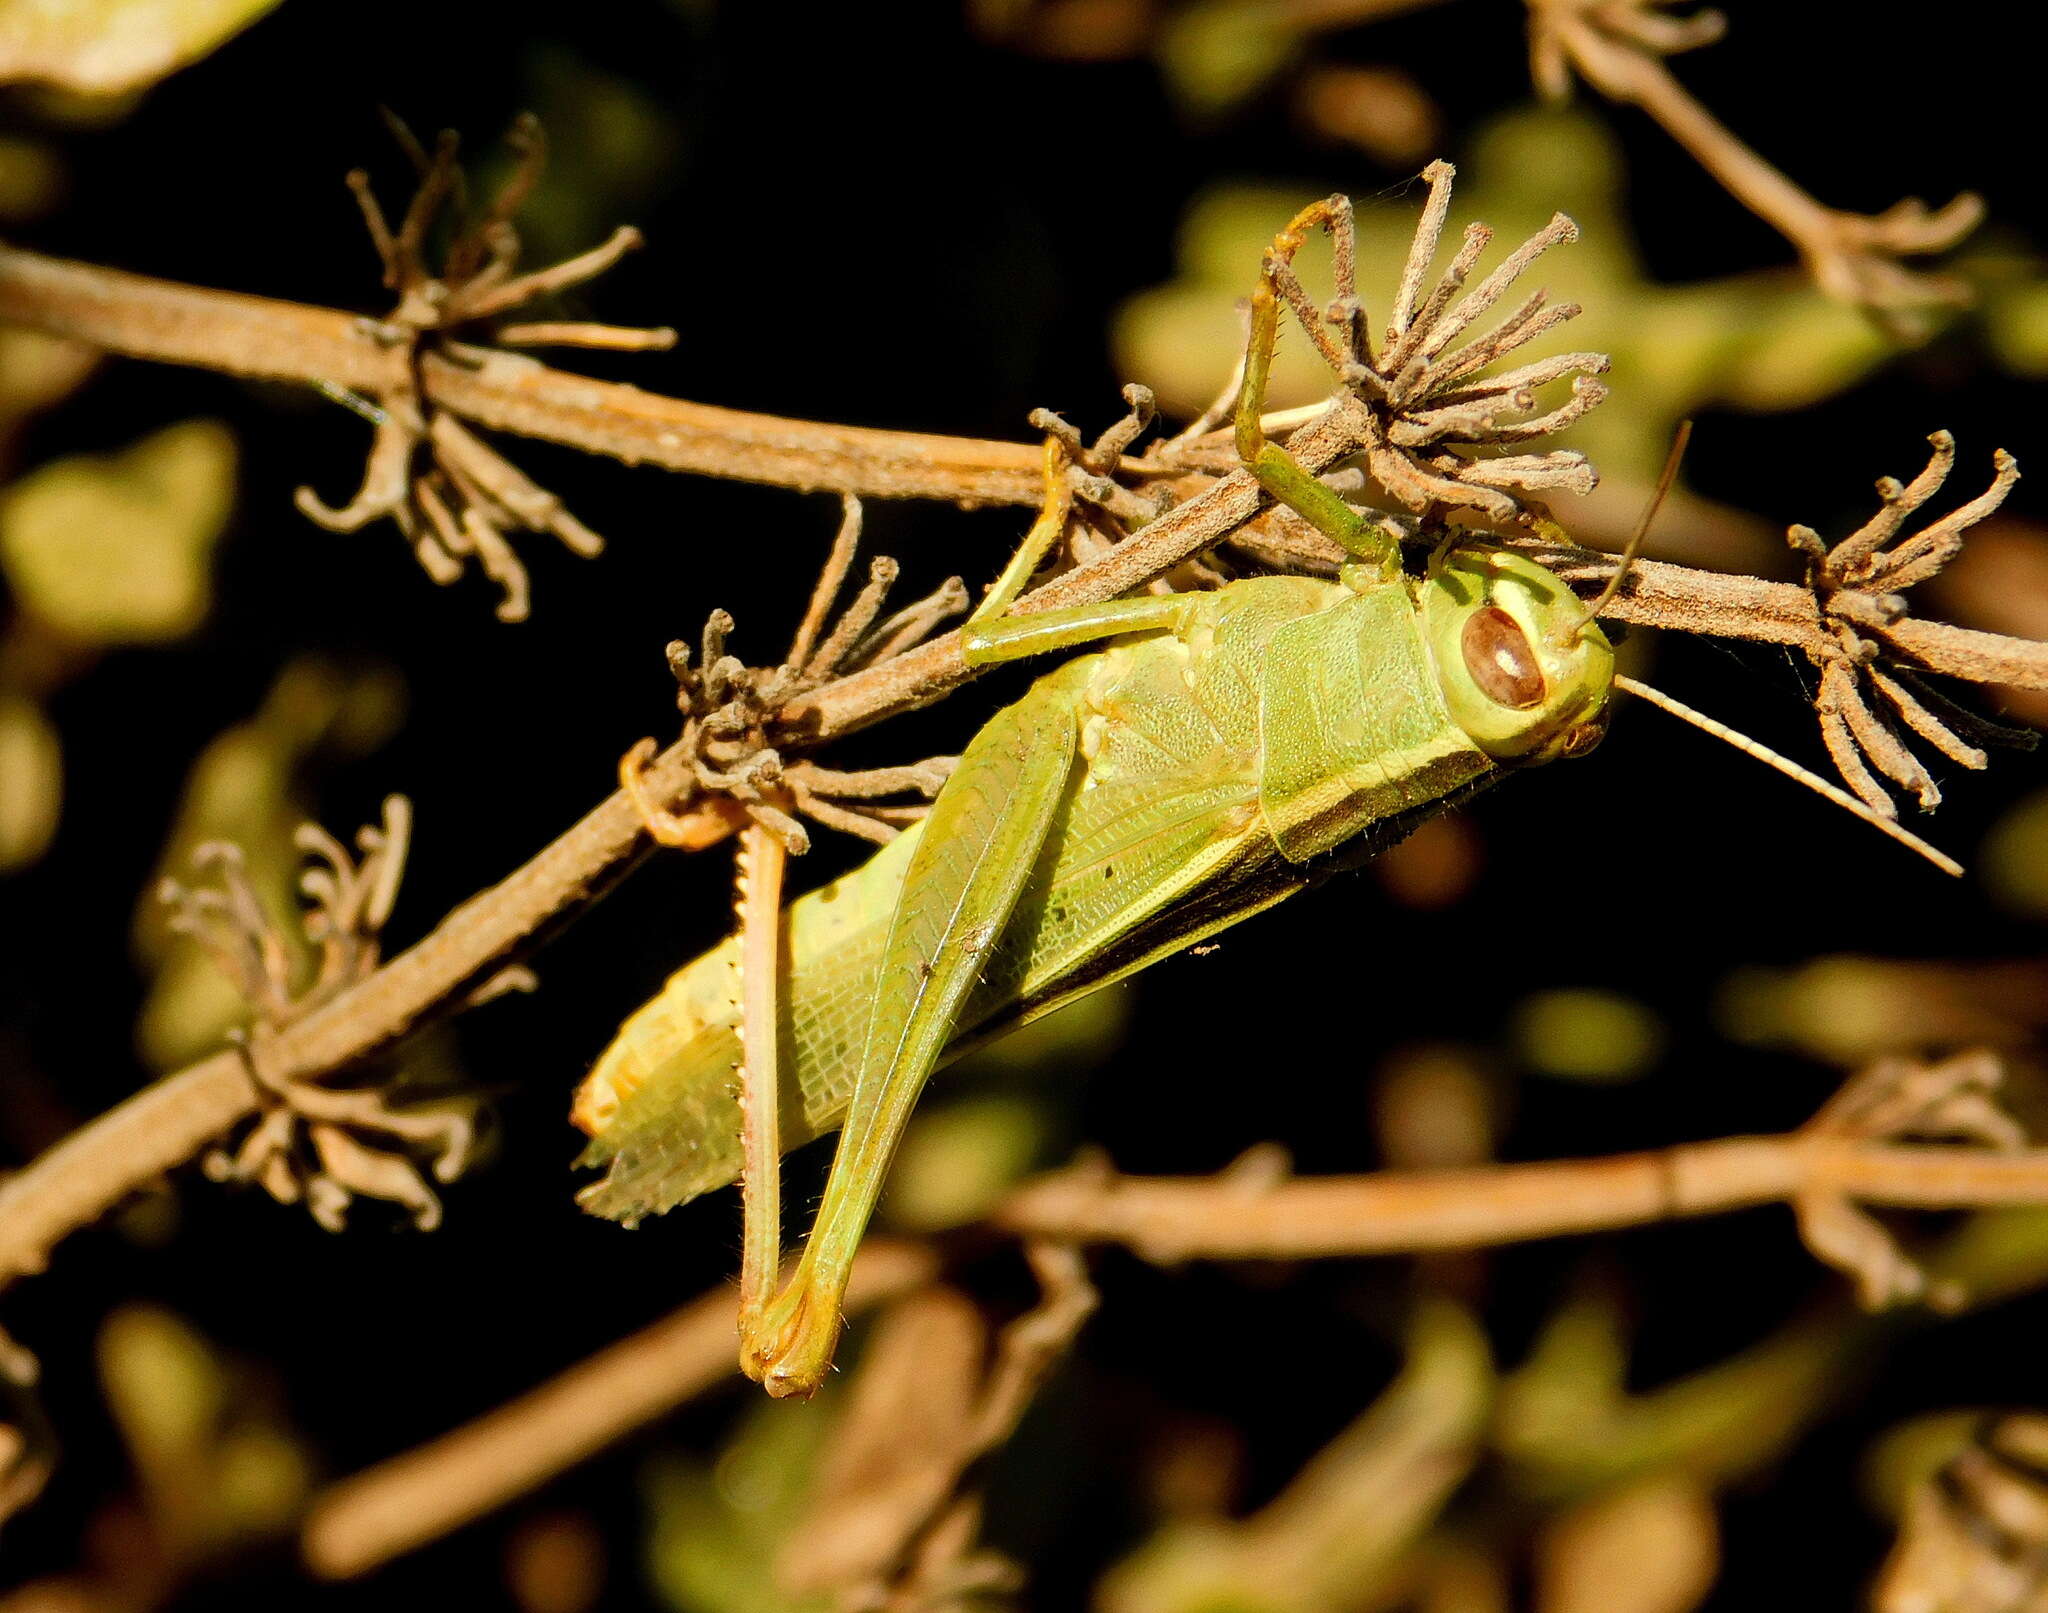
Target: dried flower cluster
732	714
1421	398
468	497
1858	587
312	1141
1974	1537
26	1447
1954	1099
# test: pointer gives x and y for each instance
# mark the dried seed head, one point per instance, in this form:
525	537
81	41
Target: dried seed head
1865	698
313	1142
1427	398
454	498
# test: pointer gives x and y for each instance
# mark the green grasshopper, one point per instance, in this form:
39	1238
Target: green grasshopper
1210	754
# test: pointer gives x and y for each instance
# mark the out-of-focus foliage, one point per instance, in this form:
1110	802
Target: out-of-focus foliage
1843	1008
214	1468
1912	1453
1648	1547
1569	1426
1380	110
31	782
31	178
716	1528
1586	1034
1436	1109
249	786
2015	857
1343	1534
112	47
610	146
1215	53
35	371
116	549
956	1162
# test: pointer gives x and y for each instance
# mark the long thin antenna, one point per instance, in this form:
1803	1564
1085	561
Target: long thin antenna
1666	477
1792	770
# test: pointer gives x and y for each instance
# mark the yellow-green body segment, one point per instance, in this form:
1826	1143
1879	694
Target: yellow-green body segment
1146	795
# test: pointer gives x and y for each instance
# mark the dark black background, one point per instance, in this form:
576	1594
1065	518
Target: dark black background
868	215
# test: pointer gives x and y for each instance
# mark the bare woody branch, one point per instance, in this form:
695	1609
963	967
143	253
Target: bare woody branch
1851	1154
1619	46
268	339
364	1521
277	340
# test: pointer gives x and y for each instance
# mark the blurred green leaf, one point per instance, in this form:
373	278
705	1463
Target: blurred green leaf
1567	1426
1844	1009
1910	1454
1084	1034
717	1529
37	370
31	782
2014	859
959	1159
214	1470
611	147
1341	1535
117	548
31	177
1216	53
1587	1035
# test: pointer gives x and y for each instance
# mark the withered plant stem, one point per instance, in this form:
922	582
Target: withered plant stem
363	1521
1400	1212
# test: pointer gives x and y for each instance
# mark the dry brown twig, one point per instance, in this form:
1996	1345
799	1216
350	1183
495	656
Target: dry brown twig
893	1520
1619	47
313	1141
904	1532
912	1534
1854	1152
361	1522
320	347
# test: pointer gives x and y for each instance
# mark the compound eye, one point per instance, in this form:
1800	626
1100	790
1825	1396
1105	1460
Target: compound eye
1501	660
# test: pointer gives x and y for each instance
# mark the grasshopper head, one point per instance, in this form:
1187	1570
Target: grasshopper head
1522	671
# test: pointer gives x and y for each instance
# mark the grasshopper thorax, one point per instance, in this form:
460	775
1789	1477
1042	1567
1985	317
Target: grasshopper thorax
1522	671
